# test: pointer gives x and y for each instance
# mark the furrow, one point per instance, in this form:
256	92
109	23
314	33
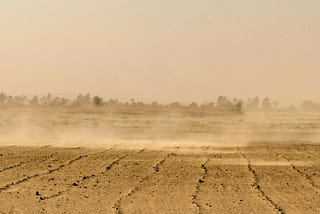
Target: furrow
307	177
24	162
12	167
14	183
155	169
258	187
108	167
42	198
195	197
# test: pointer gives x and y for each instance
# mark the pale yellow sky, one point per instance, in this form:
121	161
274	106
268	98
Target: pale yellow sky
161	49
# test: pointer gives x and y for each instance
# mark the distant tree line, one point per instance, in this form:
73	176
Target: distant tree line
310	106
222	103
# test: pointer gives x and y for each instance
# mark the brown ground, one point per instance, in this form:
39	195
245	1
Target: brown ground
252	179
151	163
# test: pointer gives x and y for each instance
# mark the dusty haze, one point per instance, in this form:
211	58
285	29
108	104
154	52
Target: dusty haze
161	50
88	156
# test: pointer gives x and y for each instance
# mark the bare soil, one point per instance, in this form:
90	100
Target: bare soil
102	162
251	179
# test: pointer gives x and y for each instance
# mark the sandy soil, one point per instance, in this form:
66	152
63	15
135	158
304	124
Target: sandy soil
102	162
251	179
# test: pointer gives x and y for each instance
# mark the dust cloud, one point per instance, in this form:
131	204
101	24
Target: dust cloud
138	128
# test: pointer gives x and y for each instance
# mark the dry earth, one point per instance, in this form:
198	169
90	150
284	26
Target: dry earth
155	164
252	179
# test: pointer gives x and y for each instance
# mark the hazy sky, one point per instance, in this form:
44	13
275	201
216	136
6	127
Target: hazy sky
161	49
